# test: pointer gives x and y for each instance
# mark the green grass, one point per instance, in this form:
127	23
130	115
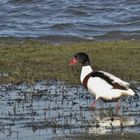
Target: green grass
30	60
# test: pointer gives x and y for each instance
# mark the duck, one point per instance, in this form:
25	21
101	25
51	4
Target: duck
101	84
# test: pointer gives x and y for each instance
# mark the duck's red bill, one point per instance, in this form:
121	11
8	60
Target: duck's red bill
73	61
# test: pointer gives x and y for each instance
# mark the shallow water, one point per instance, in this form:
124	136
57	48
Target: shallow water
51	109
65	20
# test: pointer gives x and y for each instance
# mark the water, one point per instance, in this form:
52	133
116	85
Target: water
64	20
52	109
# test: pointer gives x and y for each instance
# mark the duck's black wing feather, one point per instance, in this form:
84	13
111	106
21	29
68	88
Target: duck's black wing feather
111	79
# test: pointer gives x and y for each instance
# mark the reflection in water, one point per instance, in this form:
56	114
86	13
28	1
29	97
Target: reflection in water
108	124
50	109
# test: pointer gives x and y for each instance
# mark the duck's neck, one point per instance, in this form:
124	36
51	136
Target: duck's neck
85	71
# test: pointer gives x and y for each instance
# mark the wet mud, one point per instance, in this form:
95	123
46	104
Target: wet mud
52	109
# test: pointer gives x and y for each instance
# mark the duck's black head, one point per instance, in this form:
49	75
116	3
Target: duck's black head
80	57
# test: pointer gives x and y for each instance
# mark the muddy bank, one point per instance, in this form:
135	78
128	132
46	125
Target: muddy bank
53	109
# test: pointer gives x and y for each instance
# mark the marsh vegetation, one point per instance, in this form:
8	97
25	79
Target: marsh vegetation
31	60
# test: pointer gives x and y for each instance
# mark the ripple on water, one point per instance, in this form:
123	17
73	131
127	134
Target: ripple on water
76	18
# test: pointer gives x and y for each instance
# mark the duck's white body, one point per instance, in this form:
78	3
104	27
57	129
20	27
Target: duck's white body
102	89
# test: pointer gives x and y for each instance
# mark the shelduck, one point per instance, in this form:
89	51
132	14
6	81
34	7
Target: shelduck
101	84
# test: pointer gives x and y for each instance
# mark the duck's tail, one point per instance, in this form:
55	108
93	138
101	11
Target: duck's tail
135	89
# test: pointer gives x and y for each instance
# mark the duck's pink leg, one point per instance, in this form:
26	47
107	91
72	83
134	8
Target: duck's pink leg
118	106
93	105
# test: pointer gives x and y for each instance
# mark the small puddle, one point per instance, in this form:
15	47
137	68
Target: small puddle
52	109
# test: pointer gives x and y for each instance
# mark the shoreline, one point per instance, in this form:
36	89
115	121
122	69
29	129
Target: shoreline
58	39
28	60
117	136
